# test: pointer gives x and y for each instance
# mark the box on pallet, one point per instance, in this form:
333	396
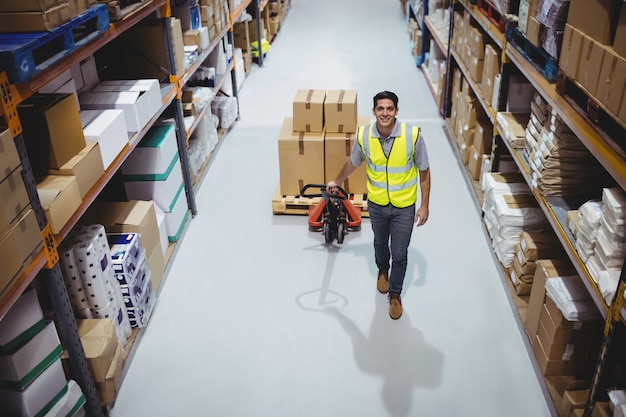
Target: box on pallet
37	21
301	158
604	23
340	111
308	111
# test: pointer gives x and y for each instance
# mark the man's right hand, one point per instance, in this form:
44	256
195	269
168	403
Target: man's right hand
331	186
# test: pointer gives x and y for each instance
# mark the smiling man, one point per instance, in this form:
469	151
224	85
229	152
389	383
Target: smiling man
397	162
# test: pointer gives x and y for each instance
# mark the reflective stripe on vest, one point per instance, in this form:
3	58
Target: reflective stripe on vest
391	179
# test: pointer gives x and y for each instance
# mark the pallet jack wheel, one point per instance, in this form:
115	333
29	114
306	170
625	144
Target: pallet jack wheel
328	232
341	232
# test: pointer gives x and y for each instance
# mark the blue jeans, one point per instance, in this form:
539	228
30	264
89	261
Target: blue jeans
392	228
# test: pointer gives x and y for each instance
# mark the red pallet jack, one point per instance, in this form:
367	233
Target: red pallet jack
334	214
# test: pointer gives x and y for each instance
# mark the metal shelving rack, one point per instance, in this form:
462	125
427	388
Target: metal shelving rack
44	264
615	312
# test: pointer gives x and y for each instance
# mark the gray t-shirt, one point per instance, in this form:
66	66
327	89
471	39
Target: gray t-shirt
420	155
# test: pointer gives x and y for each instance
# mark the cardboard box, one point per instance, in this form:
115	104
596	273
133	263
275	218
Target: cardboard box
40	21
107	128
27	235
549	367
534	31
527	9
149	90
570	51
9	159
612	81
10	259
340	111
545	269
156	264
148	38
59	198
619	43
39	393
19	367
135	104
78	7
53	132
13	200
301	158
541	245
475	163
337	150
483	136
155	152
555	330
29	5
87	167
475	68
135	216
604	22
107	389
573	222
574	398
24	314
491	67
308	111
100	342
161	188
591	57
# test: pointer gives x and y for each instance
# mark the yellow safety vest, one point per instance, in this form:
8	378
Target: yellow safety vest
394	179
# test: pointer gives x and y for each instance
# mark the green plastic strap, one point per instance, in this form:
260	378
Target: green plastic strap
24	337
33	373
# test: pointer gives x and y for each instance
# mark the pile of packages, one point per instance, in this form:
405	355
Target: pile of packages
509	208
572	298
559	162
601	240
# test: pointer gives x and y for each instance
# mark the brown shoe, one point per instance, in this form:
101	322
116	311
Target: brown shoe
395	306
383	282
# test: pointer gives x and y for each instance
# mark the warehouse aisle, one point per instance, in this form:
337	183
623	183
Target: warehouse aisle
259	318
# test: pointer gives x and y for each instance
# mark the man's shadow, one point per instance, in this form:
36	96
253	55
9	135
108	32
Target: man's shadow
395	351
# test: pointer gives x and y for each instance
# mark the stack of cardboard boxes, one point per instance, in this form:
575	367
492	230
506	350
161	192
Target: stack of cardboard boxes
561	347
20	236
274	14
39	15
315	142
594	51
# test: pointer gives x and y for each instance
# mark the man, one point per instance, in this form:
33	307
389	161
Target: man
395	153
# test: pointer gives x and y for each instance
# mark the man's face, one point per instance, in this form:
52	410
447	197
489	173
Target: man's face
385	113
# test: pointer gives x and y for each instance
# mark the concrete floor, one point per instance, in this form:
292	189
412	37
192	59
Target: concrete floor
258	317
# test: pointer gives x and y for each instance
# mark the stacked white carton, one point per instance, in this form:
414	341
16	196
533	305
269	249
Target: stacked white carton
32	380
87	267
571	297
590	216
607	257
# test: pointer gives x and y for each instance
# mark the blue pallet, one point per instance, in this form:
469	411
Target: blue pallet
23	55
538	57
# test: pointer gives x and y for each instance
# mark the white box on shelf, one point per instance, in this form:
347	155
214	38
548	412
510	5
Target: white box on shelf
150	90
19	367
37	395
154	154
108	128
136	105
25	313
177	215
161	188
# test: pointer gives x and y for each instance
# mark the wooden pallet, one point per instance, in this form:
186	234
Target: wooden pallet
538	57
605	122
290	204
23	55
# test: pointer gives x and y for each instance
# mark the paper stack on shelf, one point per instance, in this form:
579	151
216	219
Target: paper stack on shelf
590	215
607	255
508	216
559	162
572	298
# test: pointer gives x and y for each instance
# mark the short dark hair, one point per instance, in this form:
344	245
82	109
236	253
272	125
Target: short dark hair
386	95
